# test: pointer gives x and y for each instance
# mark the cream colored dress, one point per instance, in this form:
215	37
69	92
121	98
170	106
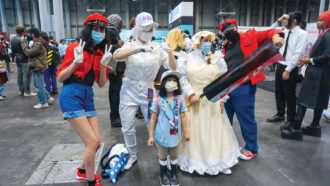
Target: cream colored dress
213	146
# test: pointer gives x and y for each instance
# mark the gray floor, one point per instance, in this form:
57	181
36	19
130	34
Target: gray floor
27	135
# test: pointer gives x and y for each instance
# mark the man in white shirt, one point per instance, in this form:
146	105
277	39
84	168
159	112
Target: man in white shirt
286	74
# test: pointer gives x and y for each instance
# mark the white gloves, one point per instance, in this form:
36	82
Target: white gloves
78	52
107	56
165	47
144	49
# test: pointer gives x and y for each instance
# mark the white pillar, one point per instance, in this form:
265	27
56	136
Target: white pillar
272	13
45	19
260	15
285	7
127	18
36	14
197	16
67	19
156	11
19	12
322	5
58	20
248	13
3	16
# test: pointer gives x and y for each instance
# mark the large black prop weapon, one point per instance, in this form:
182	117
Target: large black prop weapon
264	56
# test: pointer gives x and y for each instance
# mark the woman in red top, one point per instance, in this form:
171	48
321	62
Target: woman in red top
84	63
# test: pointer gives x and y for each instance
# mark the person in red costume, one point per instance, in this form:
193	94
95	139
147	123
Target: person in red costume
238	46
85	62
315	90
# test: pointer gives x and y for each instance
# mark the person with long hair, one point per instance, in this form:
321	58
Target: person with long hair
85	62
213	147
314	93
143	59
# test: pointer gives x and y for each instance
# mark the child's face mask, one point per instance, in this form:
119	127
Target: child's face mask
171	86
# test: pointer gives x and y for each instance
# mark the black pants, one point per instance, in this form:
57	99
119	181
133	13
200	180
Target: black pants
285	92
301	113
115	82
7	60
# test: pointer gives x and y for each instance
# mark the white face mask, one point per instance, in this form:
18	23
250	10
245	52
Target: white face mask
171	86
146	36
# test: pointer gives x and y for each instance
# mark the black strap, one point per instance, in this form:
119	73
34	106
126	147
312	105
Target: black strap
105	156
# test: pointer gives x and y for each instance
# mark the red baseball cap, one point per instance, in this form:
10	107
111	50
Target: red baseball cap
96	17
228	25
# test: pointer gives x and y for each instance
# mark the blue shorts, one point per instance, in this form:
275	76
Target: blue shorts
77	100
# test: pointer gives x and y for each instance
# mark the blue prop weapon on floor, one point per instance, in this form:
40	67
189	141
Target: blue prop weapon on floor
117	159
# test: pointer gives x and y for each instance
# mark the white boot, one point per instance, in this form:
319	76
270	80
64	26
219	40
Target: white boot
132	157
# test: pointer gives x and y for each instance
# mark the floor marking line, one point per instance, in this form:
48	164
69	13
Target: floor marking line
285	175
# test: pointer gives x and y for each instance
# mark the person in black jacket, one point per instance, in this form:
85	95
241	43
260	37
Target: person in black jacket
23	75
115	75
315	89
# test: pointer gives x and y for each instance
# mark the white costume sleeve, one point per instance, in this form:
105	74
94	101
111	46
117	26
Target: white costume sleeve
164	58
185	84
222	65
125	46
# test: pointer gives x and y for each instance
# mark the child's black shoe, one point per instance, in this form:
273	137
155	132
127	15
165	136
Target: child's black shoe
174	176
164	180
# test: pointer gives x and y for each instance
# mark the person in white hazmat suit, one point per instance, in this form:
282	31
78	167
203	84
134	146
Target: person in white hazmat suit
143	59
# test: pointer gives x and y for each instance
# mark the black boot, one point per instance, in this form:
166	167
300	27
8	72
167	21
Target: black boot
164	180
174	176
116	123
314	131
286	125
294	132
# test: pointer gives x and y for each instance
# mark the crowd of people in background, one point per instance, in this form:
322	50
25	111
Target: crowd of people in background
163	83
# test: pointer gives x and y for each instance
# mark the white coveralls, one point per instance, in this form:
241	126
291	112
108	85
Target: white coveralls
141	70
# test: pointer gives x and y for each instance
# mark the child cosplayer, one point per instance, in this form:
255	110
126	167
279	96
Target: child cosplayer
168	114
3	76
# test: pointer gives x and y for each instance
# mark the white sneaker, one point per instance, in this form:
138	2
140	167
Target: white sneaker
226	171
40	106
30	94
130	162
50	100
132	157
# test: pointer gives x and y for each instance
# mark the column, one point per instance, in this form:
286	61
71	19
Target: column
36	14
197	16
248	13
44	16
67	19
307	11
3	16
58	20
285	5
127	18
19	12
272	13
156	11
322	4
261	10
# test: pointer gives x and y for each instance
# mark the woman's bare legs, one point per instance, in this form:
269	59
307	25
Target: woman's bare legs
85	127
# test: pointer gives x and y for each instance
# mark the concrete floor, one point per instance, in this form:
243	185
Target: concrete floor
27	135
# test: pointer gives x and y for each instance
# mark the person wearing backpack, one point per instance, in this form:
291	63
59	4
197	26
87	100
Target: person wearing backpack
167	121
53	60
3	76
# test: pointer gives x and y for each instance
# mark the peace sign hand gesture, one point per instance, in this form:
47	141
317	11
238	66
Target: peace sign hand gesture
78	52
107	55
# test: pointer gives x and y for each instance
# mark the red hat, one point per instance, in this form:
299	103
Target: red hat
227	25
95	17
